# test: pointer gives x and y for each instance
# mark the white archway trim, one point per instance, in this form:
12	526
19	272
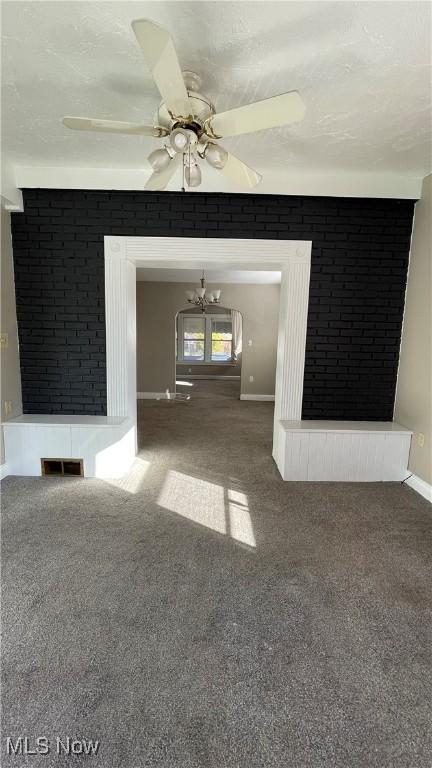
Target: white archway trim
124	254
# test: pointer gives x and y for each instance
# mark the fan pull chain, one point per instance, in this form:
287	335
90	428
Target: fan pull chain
189	160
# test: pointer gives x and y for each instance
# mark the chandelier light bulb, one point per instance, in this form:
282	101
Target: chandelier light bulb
159	160
216	294
216	155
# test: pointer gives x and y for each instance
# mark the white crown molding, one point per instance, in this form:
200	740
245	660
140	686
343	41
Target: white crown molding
421	486
321	182
13	207
11	195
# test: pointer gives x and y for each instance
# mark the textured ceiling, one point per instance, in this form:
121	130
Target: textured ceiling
363	70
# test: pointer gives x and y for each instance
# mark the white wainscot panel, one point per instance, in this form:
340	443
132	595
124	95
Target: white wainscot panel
316	468
107	453
107	447
296	456
332	451
25	446
344	457
395	456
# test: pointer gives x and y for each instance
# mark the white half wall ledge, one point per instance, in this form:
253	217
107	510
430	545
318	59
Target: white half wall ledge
420	486
106	446
338	451
322	182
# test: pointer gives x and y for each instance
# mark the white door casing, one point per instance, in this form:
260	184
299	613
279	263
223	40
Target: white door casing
124	254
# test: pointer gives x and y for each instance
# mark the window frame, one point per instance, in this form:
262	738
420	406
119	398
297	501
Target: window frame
207	338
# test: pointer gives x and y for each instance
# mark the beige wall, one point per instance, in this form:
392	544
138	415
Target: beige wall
414	387
10	369
157	305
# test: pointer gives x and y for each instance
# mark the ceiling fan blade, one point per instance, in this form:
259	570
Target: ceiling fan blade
160	55
240	173
158	181
269	113
112	126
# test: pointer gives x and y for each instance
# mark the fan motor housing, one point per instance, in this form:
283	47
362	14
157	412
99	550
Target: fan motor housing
202	109
192	126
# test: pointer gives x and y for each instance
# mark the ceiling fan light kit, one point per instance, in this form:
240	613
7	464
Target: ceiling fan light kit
189	119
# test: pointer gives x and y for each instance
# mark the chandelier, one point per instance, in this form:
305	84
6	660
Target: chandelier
200	298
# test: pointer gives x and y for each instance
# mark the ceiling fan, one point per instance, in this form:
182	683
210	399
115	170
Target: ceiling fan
188	121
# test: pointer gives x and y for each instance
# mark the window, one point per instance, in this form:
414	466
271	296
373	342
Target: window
221	340
193	338
204	338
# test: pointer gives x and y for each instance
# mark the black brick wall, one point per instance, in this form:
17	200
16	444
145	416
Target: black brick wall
358	277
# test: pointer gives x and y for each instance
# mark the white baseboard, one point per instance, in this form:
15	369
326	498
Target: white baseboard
204	376
421	486
171	395
155	395
4	471
268	398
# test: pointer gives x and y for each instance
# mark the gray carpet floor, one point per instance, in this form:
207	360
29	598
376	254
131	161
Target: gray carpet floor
202	613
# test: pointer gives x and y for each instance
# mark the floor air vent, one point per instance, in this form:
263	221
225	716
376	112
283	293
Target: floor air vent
62	467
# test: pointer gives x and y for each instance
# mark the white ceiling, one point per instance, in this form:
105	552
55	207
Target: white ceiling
162	275
363	69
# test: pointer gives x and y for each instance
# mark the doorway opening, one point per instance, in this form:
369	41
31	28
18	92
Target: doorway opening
124	255
209	347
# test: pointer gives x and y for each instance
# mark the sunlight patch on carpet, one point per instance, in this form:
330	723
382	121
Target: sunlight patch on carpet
221	509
